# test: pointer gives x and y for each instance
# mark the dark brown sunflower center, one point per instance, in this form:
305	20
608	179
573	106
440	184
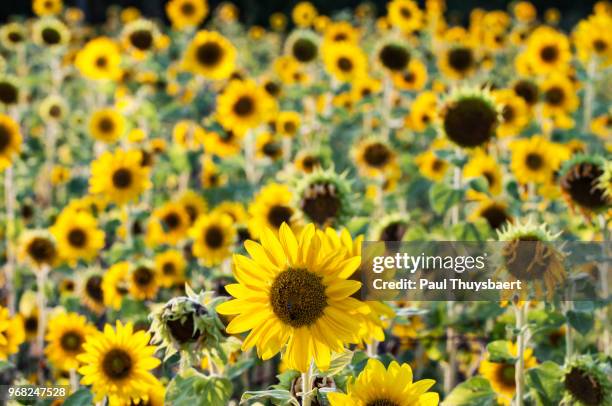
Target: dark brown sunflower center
117	364
382	402
184	330
461	59
55	111
188	9
272	88
377	155
581	184
393	232
508	113
470	122
5	137
168	268
340	37
309	162
600	45
394	57
304	50
437	165
277	215
122	178
172	221
345	64
15	37
50	36
321	203
409	77
192	212
271	149
289	127
213	237
31	323
534	161
527	258
8	93
405	12
495	215
490	177
106	125
584	387
143	276
505	375
527	91
209	54
101	62
77	237
41	250
93	287
549	53
554	96
298	297
244	106
142	39
71	341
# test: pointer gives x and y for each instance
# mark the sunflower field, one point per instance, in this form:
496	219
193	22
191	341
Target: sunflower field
183	204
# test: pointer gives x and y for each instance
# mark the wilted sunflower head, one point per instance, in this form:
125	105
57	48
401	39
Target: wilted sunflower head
581	182
188	324
587	382
470	117
303	46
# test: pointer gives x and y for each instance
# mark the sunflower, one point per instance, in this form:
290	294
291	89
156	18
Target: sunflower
117	362
344	61
268	146
392	227
392	386
186	14
494	212
548	50
213	236
12	334
405	15
223	143
139	37
514	113
559	99
303	14
533	159
393	55
287	123
13	36
527	90
501	375
29	313
470	117
91	292
586	381
9	90
270	208
602	126
289	70
168	224
115	284
593	39
50	32
413	79
373	156
38	248
193	203
243	105
364	87
340	31
53	108
119	176
580	183
211	175
457	62
482	164
143	281
106	124
170	267
303	46
10	140
47	7
423	111
78	236
211	55
431	165
99	59
188	134
302	298
66	333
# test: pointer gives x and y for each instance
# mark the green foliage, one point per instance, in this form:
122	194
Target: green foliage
196	389
545	383
473	392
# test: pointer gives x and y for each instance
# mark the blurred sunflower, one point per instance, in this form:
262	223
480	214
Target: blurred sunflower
514	113
170	267
431	166
393	55
78	236
268	146
423	111
340	31
10	140
38	248
548	50
139	37
99	59
66	333
303	14
270	208
303	46
344	61
559	99
223	143
107	124
287	123
494	212
115	283
532	160
47	7
92	293
243	105
168	224
414	78
211	55
143	281
457	62
405	15
194	204
373	156
53	108
12	336
213	236
186	14
482	164
13	36
50	33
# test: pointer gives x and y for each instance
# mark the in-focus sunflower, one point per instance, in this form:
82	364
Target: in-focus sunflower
457	62
431	165
393	55
115	284
106	124
344	61
117	363
270	208
170	266
533	160
211	55
482	164
77	235
373	156
10	140
414	78
405	15
119	176
168	224
213	236
303	14
47	7
99	59
50	33
12	336
38	248
66	333
392	386
548	50
186	14
243	105
293	291
303	46
470	117
514	113
143	281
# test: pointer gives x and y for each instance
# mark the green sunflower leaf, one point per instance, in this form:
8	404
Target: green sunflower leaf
442	197
581	321
476	391
79	398
545	383
275	396
499	351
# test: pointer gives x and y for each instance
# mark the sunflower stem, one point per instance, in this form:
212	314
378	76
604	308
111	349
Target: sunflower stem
605	293
41	278
519	370
569	340
74	380
249	157
589	95
9	269
306	387
287	141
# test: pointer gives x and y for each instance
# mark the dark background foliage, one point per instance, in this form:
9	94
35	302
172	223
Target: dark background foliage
257	11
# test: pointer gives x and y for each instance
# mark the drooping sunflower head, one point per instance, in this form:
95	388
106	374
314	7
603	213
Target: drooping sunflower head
586	382
393	55
139	37
373	156
580	180
12	35
188	324
470	117
186	14
324	198
66	333
10	140
211	55
39	248
50	33
117	363
213	236
303	46
9	90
